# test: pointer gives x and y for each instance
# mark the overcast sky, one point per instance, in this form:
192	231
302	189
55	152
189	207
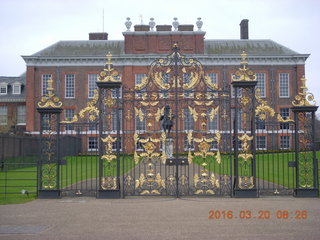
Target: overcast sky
27	26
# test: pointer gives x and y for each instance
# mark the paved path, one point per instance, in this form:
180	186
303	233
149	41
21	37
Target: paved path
157	218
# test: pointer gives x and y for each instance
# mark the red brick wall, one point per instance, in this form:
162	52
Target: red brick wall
158	43
12	116
30	98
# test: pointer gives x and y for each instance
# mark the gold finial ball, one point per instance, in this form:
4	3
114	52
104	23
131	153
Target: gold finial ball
109	55
244	55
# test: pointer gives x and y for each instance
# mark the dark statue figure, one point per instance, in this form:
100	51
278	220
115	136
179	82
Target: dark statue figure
166	119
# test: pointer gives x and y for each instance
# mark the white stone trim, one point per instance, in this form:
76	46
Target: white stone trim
146	60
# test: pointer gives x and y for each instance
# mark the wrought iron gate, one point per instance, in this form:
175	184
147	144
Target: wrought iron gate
176	132
194	158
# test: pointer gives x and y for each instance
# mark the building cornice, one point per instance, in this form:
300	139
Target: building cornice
161	33
146	59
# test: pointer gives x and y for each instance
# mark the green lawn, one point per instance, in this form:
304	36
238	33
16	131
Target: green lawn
13	181
271	167
79	168
76	169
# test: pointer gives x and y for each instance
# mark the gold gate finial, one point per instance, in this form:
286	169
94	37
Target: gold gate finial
304	98
50	100
244	58
109	74
244	73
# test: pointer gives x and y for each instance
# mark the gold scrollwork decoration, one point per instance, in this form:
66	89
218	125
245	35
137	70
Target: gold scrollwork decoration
194	80
146	104
263	107
109	74
50	100
246	182
159	113
193	113
160	81
245	155
108	156
304	98
143	83
163	140
281	119
139	113
244	73
109	183
91	108
210	84
213	113
204	147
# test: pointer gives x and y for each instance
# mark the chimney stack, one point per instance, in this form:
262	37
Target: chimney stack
98	36
244	29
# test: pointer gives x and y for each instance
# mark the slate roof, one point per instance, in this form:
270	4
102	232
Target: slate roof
82	48
252	47
212	47
9	97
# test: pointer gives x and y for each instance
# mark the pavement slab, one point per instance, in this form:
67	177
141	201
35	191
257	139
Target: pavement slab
162	218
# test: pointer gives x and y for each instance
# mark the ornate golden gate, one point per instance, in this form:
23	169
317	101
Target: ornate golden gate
195	157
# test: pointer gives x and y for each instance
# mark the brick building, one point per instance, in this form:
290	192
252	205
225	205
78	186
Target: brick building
75	65
12	104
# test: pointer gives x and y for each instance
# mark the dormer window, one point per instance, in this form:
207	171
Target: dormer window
16	88
3	88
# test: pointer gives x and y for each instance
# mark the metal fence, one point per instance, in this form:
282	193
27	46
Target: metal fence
18	165
19	160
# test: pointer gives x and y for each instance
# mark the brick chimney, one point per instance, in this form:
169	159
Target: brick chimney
244	29
98	36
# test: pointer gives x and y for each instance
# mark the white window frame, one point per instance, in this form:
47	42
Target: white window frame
114	146
165	93
3	86
143	122
285	125
3	115
282	85
73	88
92	78
67	112
288	142
239	118
21	116
44	83
265	142
186	80
214	80
97	144
137	80
261	78
114	121
92	125
46	119
114	95
233	89
188	118
19	88
214	123
261	121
